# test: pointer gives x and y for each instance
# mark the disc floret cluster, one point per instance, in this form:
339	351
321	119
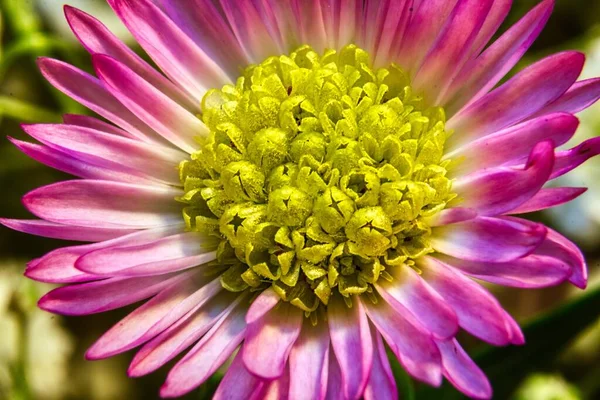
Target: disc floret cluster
320	174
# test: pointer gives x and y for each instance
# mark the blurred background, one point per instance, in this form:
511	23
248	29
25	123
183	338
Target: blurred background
41	355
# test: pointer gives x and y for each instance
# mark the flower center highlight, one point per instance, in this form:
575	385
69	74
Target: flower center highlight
318	175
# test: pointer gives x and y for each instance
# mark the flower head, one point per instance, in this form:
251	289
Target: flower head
306	182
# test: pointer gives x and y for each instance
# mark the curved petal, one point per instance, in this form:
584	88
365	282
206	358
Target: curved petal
518	99
309	362
105	204
498	12
560	247
334	379
86	121
532	271
481	190
548	198
489	239
278	389
414	347
579	97
568	160
264	303
452	216
382	384
464	374
154	316
239	383
263	356
414	295
478	311
168	118
53	230
98	39
352	344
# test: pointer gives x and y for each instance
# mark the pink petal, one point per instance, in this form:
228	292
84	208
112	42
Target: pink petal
579	97
493	21
478	311
86	121
172	50
481	191
532	271
309	362
568	160
88	90
105	295
483	73
452	216
207	355
352	344
334	379
413	346
98	39
513	144
105	204
464	374
381	385
516	100
452	47
263	356
413	294
168	118
489	239
278	389
264	303
312	24
239	383
183	333
64	232
548	198
154	316
110	151
558	246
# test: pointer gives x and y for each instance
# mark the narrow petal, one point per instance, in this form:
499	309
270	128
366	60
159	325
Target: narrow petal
548	198
105	295
464	374
478	311
312	24
334	379
558	246
263	356
452	216
532	271
168	118
493	21
309	362
238	383
88	90
568	160
172	50
579	97
182	334
105	204
110	151
52	230
264	303
519	98
352	344
481	74
86	121
207	355
489	239
154	316
381	385
98	39
278	389
413	346
414	295
514	144
480	190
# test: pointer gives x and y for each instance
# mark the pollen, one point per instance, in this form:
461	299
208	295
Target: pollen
318	176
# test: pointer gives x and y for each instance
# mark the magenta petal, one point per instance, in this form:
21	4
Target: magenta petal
478	311
516	100
165	116
568	160
309	362
154	316
238	383
98	39
452	216
264	303
548	198
464	374
352	344
493	21
414	295
85	121
183	333
413	346
334	379
105	204
559	247
480	190
263	356
207	355
579	97
532	271
489	239
278	389
381	385
64	232
105	295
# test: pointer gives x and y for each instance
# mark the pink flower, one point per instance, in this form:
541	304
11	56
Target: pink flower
332	201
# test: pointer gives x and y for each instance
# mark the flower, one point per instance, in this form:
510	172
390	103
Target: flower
307	181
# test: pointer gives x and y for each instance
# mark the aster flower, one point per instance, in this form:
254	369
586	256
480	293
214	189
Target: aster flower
304	182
